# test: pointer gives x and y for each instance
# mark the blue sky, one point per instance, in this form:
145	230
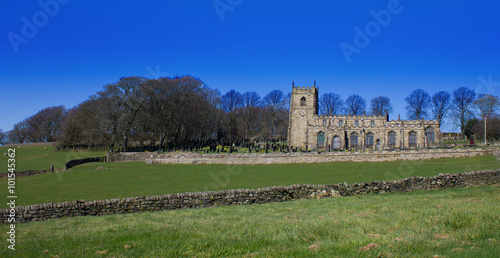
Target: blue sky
79	46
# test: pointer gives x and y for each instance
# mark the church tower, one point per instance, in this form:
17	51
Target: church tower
303	108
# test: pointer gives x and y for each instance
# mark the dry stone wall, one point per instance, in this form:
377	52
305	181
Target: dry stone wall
25	173
41	212
76	162
285	158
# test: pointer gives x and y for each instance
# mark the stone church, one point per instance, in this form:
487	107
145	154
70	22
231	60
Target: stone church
308	130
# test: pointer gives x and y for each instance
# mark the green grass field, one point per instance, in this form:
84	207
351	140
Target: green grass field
454	222
461	222
97	181
35	157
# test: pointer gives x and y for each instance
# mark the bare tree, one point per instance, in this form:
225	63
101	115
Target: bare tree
174	111
85	125
44	126
380	106
487	105
212	115
95	130
178	109
286	101
190	100
251	99
3	137
441	102
161	108
72	131
125	99
249	114
331	104
493	127
274	101
463	99
89	125
355	105
417	104
53	118
19	134
231	101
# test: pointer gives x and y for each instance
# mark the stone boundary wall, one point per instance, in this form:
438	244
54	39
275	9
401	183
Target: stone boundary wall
76	162
287	158
41	212
26	173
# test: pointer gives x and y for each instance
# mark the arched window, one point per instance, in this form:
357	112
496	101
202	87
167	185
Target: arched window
429	134
321	137
353	140
303	101
391	140
412	139
369	140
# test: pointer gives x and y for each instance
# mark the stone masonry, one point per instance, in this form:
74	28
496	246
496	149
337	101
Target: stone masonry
308	130
287	158
41	212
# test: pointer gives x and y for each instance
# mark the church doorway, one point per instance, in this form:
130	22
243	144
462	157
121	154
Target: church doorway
336	143
321	140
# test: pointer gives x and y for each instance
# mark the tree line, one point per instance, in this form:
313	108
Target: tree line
459	107
183	113
169	113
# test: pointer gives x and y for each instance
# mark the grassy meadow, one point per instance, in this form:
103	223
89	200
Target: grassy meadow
97	181
36	157
449	223
462	222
